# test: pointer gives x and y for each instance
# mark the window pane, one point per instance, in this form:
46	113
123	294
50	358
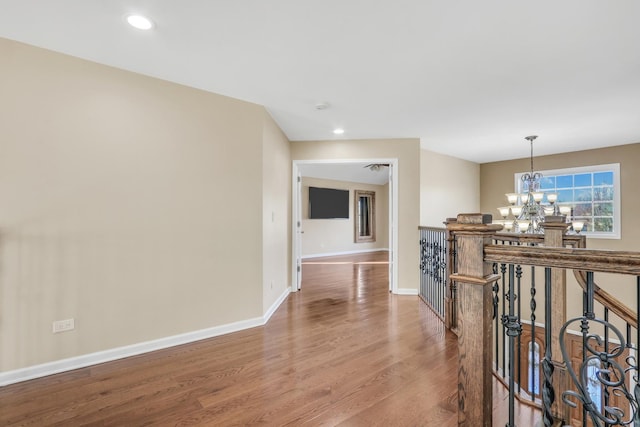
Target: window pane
603	209
603	224
602	178
594	387
582	209
564	181
582	180
548	183
565	196
603	193
583	195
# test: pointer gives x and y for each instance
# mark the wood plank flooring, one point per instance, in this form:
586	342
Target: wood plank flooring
342	352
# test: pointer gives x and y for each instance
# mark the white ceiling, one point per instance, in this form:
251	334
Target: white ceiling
469	78
349	172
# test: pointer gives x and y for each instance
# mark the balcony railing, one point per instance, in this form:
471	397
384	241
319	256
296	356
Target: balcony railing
434	250
509	296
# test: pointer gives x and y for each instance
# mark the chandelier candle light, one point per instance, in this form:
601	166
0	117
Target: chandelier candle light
528	209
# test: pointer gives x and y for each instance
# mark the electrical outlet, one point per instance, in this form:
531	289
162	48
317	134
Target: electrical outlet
63	325
272	284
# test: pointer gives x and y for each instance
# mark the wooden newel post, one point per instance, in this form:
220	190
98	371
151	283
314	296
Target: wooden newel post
474	279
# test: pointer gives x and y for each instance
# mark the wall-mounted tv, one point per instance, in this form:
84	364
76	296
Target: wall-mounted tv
328	203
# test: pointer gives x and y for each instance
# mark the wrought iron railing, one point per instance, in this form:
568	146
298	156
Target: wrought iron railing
518	298
434	276
581	370
586	372
508	313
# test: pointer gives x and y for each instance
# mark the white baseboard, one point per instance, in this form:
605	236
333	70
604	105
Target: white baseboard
361	251
275	305
55	367
406	291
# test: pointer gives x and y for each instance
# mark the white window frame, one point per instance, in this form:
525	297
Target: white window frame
611	167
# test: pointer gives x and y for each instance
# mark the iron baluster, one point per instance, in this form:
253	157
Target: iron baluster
548	394
605	364
503	270
454	297
518	345
423	263
513	329
532	304
496	292
443	272
451	247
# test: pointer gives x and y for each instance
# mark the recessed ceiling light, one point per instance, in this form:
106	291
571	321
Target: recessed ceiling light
140	22
338	131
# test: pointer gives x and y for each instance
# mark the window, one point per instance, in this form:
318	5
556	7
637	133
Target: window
534	368
591	192
365	223
594	386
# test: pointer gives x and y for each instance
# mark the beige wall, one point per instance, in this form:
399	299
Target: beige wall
333	236
276	217
131	204
407	151
497	178
448	186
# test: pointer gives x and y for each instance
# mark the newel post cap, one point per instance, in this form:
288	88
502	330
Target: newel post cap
474	222
474	218
555	222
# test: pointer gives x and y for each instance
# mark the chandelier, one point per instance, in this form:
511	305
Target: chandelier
527	210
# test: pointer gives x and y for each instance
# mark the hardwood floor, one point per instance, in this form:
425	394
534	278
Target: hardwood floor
343	351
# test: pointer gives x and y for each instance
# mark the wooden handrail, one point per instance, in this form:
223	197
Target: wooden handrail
577	241
610	261
603	261
427	227
607	300
573	240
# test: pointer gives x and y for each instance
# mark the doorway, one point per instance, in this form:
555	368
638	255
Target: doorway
391	165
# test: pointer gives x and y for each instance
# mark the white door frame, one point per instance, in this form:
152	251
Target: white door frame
296	232
296	218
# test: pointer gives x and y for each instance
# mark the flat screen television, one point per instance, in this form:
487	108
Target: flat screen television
328	203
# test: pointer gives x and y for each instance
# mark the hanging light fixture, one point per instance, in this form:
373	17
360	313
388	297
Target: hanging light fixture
527	209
